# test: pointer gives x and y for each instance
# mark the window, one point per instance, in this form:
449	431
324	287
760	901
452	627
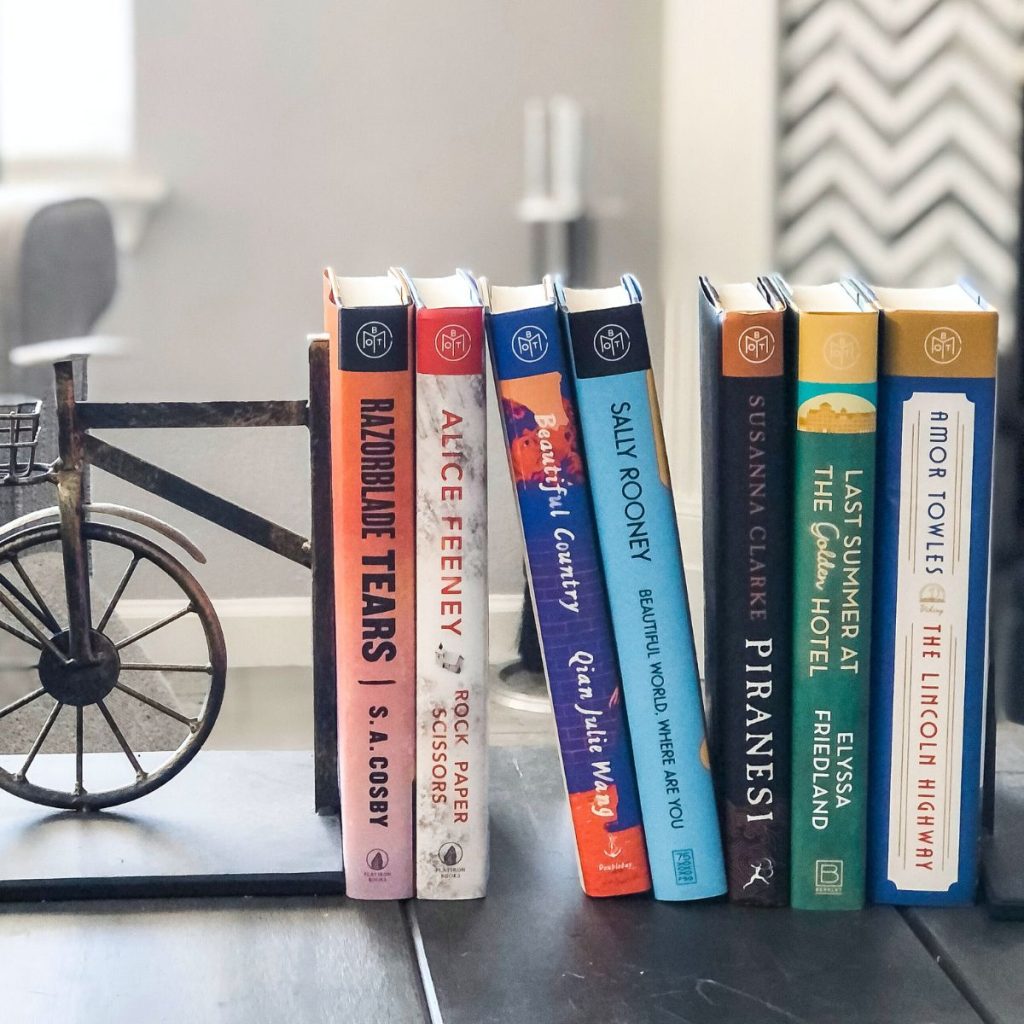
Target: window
75	106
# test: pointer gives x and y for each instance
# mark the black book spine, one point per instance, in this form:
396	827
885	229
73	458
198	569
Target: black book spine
745	393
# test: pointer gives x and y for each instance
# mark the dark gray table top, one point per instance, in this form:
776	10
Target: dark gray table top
535	951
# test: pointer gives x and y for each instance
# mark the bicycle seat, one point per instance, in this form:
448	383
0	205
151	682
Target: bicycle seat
90	346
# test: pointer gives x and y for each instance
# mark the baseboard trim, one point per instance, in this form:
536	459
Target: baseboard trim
273	632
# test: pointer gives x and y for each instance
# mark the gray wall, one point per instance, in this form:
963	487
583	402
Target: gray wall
361	134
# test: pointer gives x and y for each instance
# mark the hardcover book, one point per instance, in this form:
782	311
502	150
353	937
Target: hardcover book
936	423
836	331
451	589
639	542
371	396
549	474
746	441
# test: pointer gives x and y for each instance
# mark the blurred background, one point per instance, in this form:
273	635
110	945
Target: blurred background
236	148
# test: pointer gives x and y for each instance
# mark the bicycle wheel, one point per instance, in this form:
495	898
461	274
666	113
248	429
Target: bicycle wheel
124	703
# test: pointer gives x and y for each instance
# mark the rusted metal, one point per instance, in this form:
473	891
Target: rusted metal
128	415
70	500
325	694
195	499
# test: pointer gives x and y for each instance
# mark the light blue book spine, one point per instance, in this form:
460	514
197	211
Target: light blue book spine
639	541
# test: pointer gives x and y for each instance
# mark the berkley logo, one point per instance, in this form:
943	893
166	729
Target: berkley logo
943	345
529	344
757	344
453	343
374	339
611	343
841	351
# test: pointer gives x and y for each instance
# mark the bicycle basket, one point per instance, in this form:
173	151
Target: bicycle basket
19	435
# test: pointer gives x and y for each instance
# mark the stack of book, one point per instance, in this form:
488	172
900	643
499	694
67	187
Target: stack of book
848	432
847	460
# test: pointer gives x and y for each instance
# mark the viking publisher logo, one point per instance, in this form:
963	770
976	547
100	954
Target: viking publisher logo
828	877
529	344
453	343
374	339
943	345
611	343
757	344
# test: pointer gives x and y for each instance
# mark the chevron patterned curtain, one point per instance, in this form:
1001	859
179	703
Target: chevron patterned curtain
899	155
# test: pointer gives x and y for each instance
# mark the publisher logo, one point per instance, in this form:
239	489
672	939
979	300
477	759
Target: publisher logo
611	343
450	854
374	339
453	343
933	598
828	877
529	344
943	345
377	860
685	870
757	344
841	351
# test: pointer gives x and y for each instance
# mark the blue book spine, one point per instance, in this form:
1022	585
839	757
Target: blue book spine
639	541
935	437
549	474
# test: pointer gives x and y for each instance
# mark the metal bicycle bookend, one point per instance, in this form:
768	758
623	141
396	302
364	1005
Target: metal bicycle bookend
82	665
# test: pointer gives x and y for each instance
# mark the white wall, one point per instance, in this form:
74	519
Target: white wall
364	135
718	184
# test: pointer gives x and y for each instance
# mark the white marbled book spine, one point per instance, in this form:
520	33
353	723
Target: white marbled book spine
451	635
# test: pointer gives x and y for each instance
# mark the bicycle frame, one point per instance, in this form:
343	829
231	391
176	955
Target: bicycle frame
78	448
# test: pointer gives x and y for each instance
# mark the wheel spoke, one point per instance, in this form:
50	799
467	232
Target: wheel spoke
125	667
7	628
33	628
125	580
21	702
157	706
25	602
152	628
50	619
79	749
119	736
40	740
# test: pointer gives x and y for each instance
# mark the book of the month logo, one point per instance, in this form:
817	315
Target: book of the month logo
611	343
757	344
943	345
374	339
453	343
841	350
529	344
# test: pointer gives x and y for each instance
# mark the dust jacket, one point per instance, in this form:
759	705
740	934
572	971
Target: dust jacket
549	474
936	424
451	588
836	330
371	398
638	537
746	391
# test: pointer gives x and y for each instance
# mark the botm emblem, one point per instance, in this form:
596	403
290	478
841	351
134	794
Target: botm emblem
611	343
529	344
374	339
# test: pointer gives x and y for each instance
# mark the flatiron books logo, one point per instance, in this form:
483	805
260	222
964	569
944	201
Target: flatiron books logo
611	343
374	339
943	345
450	854
453	343
841	351
377	860
529	344
756	344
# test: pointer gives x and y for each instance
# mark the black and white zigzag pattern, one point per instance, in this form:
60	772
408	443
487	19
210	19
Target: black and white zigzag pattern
900	132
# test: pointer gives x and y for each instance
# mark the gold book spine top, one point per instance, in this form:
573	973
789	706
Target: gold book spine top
838	348
936	343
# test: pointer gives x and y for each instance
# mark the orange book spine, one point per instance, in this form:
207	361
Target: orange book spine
373	490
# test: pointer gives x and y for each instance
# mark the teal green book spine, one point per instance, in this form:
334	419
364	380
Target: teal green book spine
833	509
